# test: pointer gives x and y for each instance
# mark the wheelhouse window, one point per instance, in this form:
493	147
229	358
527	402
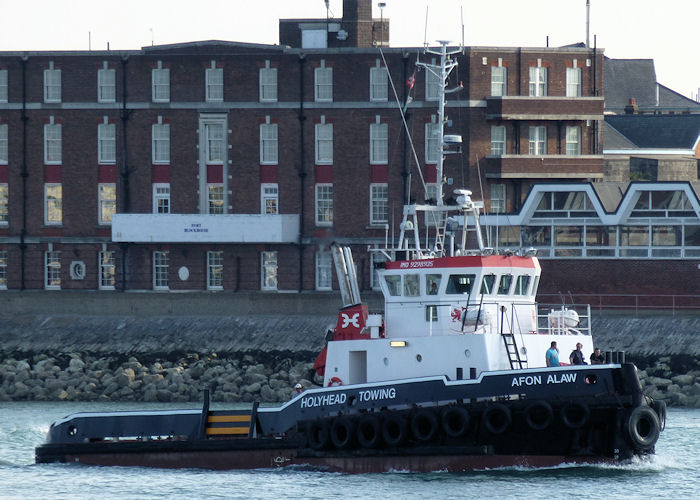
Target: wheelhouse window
521	285
393	284
411	285
504	284
376	259
488	284
460	284
432	284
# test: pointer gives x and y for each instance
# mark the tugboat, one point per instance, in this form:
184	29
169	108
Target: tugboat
451	377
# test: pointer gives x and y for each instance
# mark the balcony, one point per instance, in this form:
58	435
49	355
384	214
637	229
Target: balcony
544	167
544	108
196	228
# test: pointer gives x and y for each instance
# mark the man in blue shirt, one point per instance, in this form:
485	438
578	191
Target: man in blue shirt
552	356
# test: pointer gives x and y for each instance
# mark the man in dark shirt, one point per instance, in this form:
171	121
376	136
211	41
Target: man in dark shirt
576	357
597	357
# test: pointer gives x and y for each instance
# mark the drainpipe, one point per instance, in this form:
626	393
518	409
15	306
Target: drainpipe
24	174
302	171
406	173
124	174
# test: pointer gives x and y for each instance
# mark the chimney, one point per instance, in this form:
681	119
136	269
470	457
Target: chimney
632	108
357	21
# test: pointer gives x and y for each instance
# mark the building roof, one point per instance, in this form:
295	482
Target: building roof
653	131
627	79
670	100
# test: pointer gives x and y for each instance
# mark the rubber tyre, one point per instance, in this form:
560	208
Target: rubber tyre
369	431
454	421
497	418
424	425
342	432
660	408
394	430
643	428
539	415
318	435
575	414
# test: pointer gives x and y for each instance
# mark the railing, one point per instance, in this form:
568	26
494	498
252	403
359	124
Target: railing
627	302
567	319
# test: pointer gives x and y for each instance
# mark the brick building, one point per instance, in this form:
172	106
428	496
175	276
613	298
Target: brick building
229	166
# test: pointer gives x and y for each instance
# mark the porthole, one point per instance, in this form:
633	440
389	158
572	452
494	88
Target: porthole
419	358
386	361
467	353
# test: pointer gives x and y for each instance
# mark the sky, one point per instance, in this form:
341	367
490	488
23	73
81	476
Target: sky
667	31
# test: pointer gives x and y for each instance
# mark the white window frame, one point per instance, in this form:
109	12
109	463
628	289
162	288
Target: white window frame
3	269
215	144
323	207
537	140
4	204
106	85
52	144
538	81
498	140
432	150
432	83
107	195
374	279
4	144
160	143
52	84
268	270
215	270
573	140
106	144
378	143
573	82
378	83
323	83
269	192
161	192
323	143
160	83
324	270
214	78
268	83
57	205
499	81
161	270
498	198
216	198
378	204
268	144
52	270
4	88
107	266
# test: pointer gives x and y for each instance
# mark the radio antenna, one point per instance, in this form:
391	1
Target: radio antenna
425	31
461	14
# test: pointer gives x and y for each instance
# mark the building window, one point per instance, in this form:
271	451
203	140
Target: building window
52	270
215	143
161	198
378	204
4	204
268	83
216	198
498	198
108	202
268	270
498	140
161	266
268	143
324	268
432	83
160	142
375	260
52	143
4	150
573	141
538	140
3	85
379	143
53	204
432	150
378	83
324	204
573	82
106	143
215	270
324	143
52	84
499	77
107	270
214	83
538	81
3	269
160	80
269	199
106	85
323	83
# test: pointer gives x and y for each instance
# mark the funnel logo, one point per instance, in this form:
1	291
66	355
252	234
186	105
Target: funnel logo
347	320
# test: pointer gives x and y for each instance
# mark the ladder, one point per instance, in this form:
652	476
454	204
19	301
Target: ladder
517	361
